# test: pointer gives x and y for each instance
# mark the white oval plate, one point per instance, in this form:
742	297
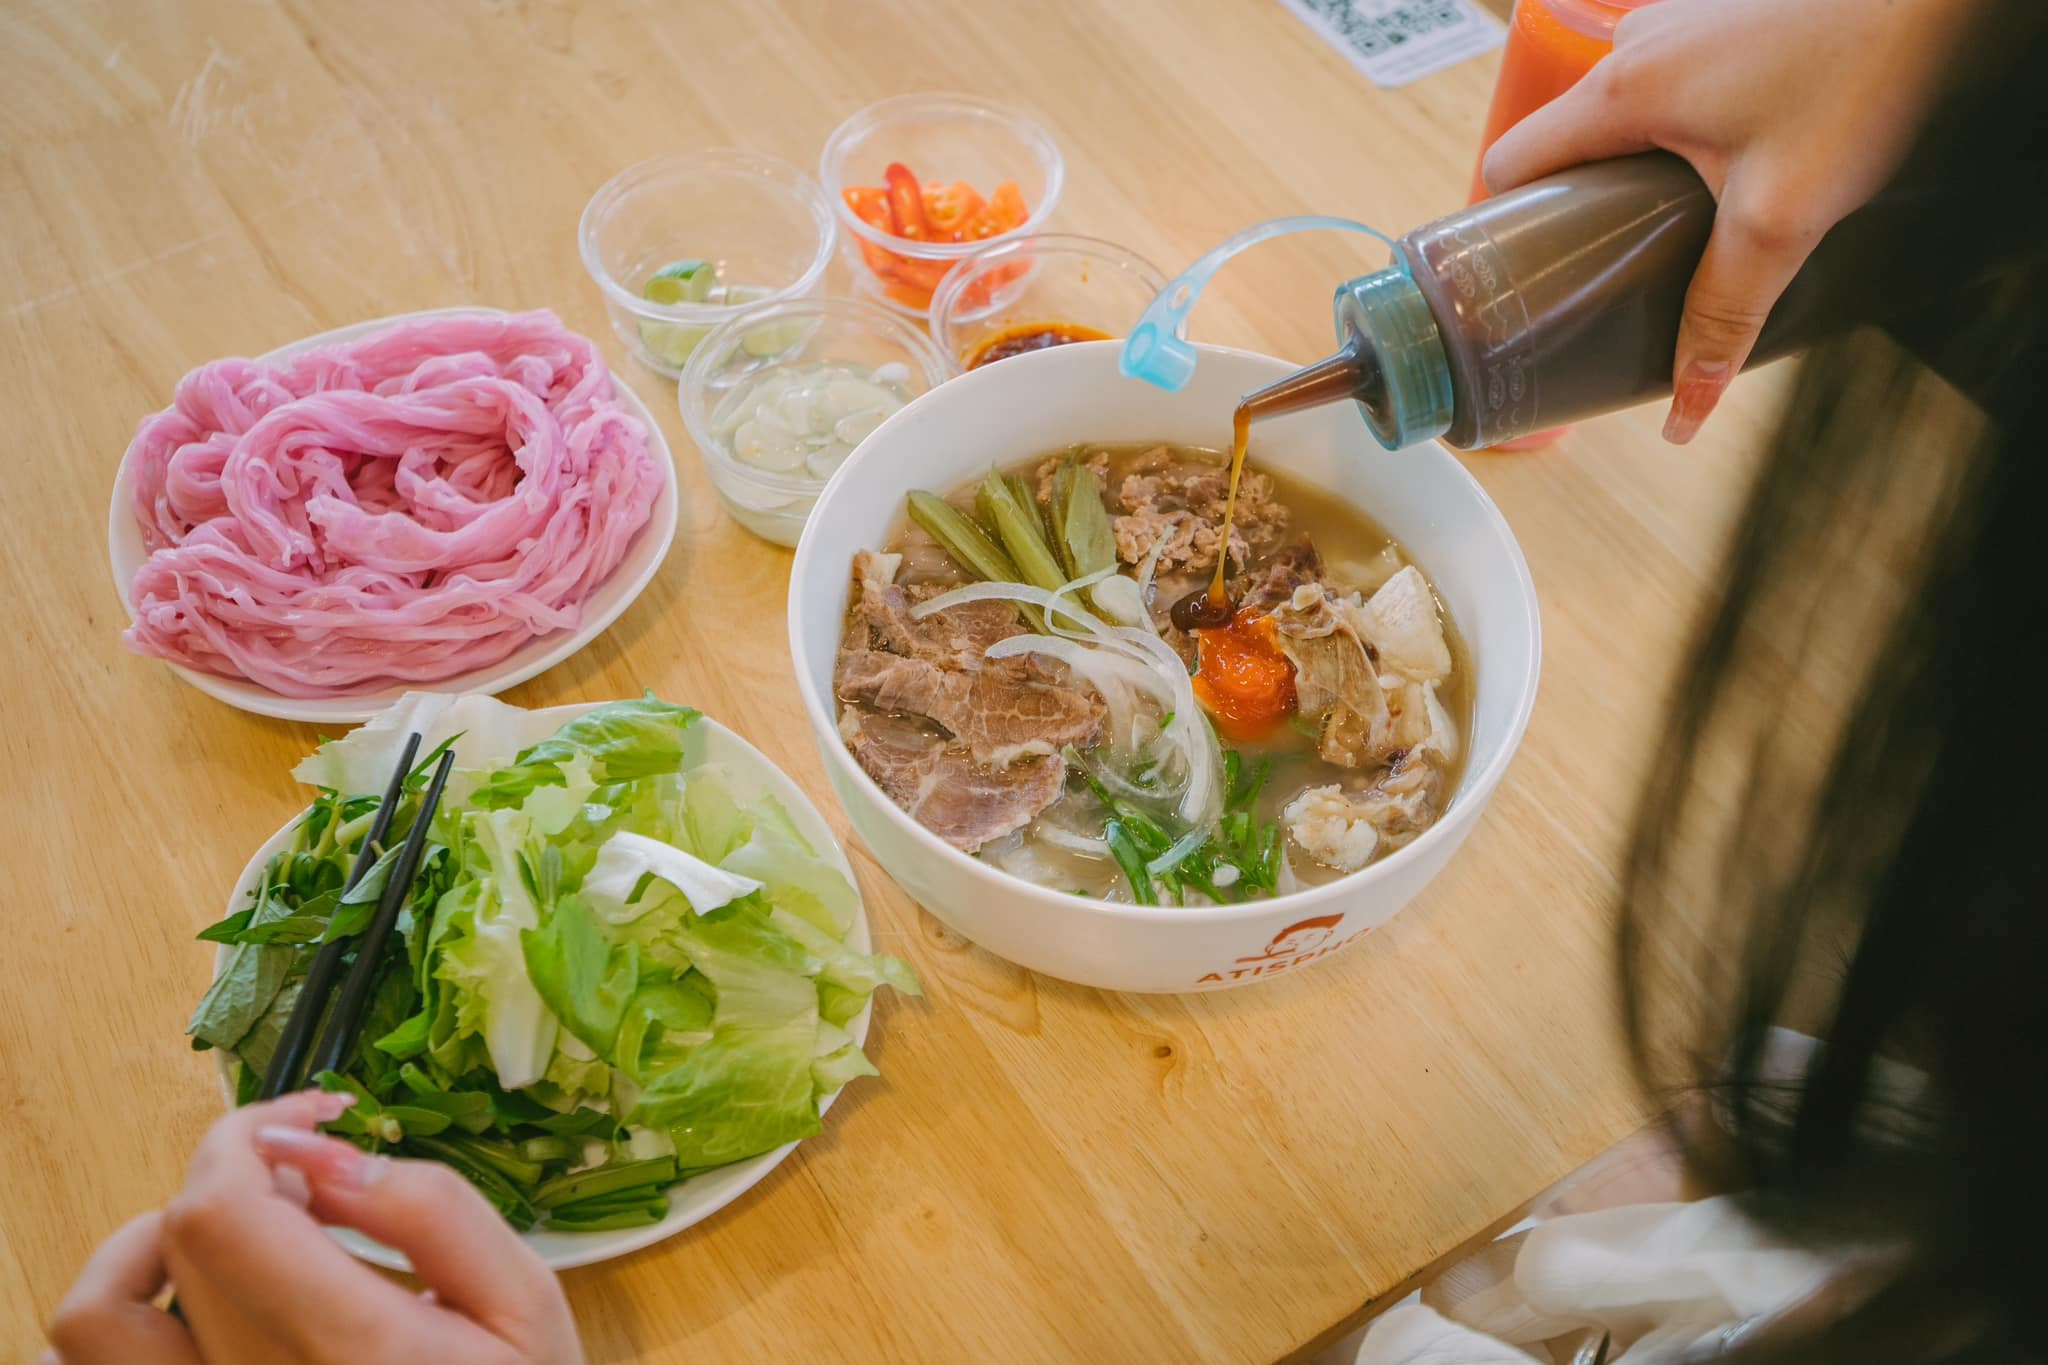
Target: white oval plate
649	547
701	1195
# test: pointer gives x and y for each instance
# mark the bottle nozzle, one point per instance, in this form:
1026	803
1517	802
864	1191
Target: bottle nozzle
1350	373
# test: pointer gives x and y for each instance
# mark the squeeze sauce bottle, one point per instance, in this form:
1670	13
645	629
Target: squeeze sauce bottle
1561	300
1551	44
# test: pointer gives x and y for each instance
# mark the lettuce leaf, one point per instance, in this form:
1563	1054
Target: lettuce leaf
714	822
747	1091
483	973
617	881
797	879
623	741
585	980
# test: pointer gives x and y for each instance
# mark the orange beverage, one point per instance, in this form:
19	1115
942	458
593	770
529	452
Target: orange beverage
1551	43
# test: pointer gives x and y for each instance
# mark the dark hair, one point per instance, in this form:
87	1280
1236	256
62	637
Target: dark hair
1846	832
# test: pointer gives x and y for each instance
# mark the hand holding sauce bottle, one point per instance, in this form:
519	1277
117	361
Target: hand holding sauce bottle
1551	44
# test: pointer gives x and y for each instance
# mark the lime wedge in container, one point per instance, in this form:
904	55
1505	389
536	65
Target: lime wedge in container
679	282
770	338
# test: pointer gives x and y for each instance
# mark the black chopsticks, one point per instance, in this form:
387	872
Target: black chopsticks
346	1017
283	1070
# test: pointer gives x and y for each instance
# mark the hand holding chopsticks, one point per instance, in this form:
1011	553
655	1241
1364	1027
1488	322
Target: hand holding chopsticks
346	1017
262	1281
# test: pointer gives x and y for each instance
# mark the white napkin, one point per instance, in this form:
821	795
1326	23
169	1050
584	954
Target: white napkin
1664	1279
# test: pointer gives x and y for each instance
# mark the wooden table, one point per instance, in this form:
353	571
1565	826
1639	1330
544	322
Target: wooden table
1046	1172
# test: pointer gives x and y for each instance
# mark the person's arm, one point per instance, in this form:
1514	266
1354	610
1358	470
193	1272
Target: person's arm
1795	113
258	1280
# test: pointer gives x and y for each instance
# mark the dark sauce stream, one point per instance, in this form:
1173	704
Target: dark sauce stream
1350	373
1210	607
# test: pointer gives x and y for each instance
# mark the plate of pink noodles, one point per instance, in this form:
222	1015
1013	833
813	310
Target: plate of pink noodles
455	499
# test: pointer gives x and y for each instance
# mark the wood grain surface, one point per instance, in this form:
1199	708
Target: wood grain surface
1045	1172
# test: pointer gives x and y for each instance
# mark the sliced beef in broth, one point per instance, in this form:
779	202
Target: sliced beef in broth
1000	711
970	747
954	638
938	782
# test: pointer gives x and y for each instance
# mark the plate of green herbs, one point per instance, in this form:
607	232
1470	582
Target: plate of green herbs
632	973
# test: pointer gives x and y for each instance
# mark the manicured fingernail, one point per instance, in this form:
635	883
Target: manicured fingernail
329	1105
1699	388
326	1160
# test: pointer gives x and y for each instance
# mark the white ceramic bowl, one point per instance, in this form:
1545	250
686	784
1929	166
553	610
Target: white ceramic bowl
702	1195
1042	402
649	547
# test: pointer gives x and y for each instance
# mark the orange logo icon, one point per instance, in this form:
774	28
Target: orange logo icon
1302	941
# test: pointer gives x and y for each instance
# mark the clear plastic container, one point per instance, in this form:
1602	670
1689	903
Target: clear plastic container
942	138
1035	291
761	227
779	344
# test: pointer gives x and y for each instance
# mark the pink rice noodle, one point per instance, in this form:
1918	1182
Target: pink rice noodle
401	508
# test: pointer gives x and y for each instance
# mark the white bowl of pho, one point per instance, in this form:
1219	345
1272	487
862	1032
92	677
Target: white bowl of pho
981	621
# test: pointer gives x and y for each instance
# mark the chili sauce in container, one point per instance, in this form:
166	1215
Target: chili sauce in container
1035	292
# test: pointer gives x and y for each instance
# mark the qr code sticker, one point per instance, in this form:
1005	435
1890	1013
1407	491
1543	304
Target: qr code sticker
1397	41
1374	33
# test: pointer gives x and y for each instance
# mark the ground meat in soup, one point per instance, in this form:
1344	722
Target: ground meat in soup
1096	463
1275	580
1179	503
1010	756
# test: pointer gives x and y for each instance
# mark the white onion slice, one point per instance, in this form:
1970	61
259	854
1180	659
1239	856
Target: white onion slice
1051	604
1117	784
1189	731
1121	598
1061	837
1148	568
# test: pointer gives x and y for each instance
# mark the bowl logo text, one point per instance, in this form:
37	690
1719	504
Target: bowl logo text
1300	942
